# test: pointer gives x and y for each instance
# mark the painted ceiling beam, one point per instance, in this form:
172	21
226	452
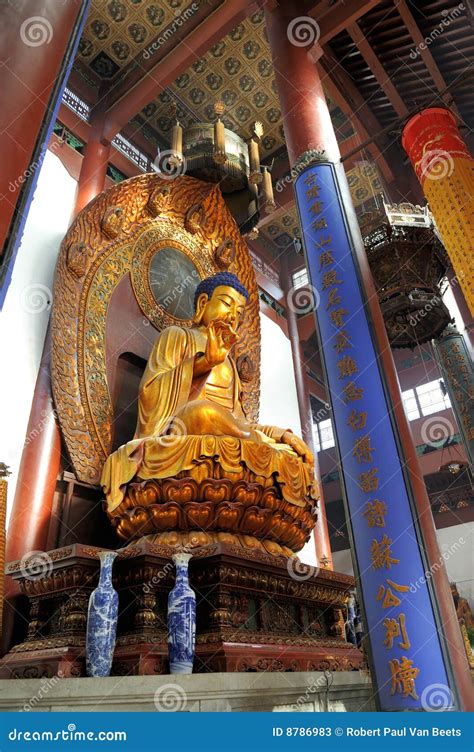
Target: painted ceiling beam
377	69
424	52
338	17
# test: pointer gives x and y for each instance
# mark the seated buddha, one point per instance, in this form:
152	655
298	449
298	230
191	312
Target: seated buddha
192	428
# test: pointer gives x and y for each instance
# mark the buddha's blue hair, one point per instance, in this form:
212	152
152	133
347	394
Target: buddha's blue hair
209	284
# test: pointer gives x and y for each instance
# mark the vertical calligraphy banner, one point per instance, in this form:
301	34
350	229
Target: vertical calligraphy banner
456	367
406	652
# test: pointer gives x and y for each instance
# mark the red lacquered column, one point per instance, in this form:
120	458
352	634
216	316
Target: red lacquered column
321	533
93	168
41	459
311	141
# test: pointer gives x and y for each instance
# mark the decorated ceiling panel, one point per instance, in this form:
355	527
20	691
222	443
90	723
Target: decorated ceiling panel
117	31
237	70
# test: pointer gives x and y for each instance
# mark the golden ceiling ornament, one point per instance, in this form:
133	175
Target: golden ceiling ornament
89	269
257	130
219	108
173	110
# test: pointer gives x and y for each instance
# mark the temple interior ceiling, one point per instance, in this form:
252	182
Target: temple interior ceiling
237	70
282	229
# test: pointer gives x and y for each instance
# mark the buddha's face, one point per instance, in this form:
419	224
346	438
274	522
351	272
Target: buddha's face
225	304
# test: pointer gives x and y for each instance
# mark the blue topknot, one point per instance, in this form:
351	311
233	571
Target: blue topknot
209	284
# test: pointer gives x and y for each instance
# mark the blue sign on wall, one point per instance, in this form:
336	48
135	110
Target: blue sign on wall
405	645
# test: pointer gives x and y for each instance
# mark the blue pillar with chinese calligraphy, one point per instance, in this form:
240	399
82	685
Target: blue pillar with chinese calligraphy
407	654
386	502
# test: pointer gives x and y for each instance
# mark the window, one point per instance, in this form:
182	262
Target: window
76	104
411	405
323	435
300	278
425	399
432	398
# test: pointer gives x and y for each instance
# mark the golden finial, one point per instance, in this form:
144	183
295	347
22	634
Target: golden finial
172	110
219	108
257	130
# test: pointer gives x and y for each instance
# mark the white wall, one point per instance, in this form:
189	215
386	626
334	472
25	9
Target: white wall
456	547
278	399
342	561
25	313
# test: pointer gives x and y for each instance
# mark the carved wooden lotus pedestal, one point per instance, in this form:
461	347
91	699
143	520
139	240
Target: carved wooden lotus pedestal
255	612
250	512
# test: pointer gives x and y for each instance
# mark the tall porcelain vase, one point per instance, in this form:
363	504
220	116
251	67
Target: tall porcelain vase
102	620
181	619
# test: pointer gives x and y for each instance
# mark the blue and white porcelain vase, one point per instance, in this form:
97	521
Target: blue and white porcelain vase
181	619
102	620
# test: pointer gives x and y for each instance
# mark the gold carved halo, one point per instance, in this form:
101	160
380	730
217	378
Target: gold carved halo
162	234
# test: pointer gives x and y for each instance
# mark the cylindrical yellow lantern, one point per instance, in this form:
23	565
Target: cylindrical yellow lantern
219	141
267	186
445	169
177	140
254	158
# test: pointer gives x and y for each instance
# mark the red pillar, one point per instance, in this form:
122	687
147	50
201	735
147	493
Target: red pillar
39	39
308	129
93	168
41	459
36	484
321	532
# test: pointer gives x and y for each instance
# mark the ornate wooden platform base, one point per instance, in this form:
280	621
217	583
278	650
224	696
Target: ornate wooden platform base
255	612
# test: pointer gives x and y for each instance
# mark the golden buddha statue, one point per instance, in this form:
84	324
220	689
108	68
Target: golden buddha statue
196	466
